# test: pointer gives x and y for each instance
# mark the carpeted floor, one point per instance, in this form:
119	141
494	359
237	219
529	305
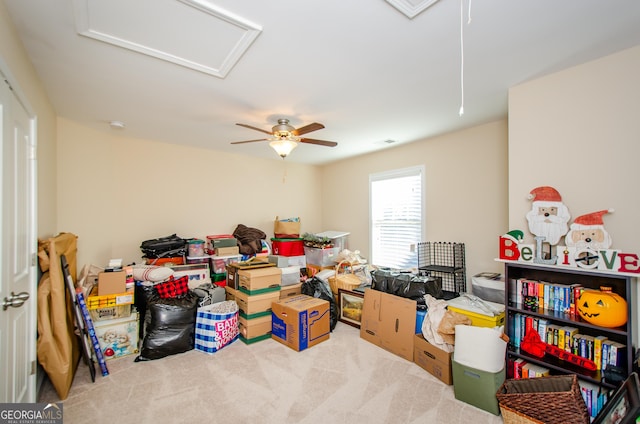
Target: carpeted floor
342	380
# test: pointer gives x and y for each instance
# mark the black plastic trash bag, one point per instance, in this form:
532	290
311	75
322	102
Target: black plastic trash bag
318	288
169	326
406	285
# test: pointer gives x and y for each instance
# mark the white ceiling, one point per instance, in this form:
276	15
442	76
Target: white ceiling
186	71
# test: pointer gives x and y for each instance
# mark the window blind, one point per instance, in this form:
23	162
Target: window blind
396	207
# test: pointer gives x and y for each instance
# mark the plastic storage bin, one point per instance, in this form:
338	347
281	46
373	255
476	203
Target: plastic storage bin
321	257
488	286
287	247
477	387
338	238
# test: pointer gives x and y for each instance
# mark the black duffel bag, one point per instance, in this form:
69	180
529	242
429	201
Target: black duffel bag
169	246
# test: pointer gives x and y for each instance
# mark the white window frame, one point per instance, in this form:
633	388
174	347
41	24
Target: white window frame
420	236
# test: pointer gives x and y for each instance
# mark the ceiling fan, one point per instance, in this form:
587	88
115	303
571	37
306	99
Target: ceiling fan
284	137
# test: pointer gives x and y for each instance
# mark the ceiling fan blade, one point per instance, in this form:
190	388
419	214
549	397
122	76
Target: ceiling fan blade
255	128
308	128
248	141
319	142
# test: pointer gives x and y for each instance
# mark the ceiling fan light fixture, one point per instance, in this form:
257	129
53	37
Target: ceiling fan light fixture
283	146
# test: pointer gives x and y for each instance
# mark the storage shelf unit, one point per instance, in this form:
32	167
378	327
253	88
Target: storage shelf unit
445	260
621	284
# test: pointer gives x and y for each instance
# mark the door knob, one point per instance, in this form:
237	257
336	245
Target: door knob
15	300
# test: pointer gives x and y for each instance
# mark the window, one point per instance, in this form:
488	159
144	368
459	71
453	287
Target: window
396	208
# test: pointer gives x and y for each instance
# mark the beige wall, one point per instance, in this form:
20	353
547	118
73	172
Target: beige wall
577	130
26	82
466	187
116	192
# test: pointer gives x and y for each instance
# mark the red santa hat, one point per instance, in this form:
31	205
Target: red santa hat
593	218
545	194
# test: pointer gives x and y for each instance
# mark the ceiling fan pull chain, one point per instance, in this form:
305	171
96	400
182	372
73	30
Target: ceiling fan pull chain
461	112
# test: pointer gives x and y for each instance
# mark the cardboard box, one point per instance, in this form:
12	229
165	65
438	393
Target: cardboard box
227	251
112	282
222	240
118	337
476	387
232	275
314	269
109	313
230	293
198	273
254	328
95	301
432	359
300	322
389	321
259	280
252	306
289	291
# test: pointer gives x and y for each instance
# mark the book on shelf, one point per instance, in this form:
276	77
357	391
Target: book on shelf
594	397
605	355
540	293
552	334
543	324
528	324
561	333
588	348
513	290
575	344
517	334
535	371
569	333
597	350
576	291
546	295
617	353
517	367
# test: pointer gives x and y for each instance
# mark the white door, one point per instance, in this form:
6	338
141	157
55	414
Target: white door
18	326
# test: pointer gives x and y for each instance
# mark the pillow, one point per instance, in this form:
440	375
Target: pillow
151	273
173	288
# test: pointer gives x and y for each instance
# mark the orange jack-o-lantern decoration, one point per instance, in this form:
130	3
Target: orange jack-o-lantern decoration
602	307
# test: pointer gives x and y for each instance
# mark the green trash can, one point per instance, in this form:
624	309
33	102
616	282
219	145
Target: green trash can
477	387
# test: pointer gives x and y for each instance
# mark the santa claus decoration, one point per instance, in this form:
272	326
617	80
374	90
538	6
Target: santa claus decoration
548	218
588	232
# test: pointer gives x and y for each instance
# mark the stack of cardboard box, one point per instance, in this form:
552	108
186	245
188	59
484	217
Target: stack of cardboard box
254	290
114	320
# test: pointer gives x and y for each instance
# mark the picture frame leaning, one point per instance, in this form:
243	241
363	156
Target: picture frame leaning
350	304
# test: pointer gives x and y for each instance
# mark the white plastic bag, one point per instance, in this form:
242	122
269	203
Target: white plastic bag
436	310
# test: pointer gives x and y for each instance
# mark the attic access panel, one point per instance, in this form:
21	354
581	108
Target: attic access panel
189	33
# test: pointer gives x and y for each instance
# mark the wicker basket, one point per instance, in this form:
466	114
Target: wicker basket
345	281
542	400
